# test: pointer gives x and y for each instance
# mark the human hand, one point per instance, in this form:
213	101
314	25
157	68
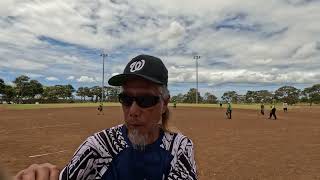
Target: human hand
45	171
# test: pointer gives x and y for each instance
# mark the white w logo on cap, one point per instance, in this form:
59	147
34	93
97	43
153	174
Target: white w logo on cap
137	65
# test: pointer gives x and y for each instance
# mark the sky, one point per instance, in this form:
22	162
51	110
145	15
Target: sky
243	45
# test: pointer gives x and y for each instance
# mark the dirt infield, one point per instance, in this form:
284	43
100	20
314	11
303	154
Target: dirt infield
247	147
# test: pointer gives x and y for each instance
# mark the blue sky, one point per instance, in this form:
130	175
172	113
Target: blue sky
244	45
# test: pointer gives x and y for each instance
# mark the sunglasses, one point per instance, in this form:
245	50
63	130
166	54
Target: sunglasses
142	101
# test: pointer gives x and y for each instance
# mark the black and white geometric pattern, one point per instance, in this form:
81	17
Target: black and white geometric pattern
183	165
94	156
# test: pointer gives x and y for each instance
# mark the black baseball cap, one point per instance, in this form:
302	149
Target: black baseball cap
145	66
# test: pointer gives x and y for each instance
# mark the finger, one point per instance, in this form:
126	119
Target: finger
29	174
19	175
43	173
54	173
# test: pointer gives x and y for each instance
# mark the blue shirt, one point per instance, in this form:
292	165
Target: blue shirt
131	164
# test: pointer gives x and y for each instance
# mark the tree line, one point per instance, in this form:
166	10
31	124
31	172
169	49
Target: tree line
288	94
26	90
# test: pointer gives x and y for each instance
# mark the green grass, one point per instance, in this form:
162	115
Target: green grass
235	106
66	105
246	106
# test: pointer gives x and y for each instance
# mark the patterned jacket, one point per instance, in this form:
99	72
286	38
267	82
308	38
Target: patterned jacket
97	155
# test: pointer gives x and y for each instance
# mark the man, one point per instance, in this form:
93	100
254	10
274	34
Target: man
229	111
262	109
285	107
220	104
142	147
174	103
273	112
100	109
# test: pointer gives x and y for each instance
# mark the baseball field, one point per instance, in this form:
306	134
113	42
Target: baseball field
248	147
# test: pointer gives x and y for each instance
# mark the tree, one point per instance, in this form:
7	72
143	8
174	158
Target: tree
210	98
312	94
50	94
240	98
80	92
34	88
264	96
230	96
27	89
62	91
9	93
97	92
88	93
190	97
287	94
68	90
2	86
112	93
59	91
21	83
258	96
250	96
178	98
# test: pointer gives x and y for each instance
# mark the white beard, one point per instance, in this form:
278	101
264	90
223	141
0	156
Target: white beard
138	140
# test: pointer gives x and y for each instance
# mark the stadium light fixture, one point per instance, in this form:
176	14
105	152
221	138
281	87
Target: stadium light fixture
196	57
104	55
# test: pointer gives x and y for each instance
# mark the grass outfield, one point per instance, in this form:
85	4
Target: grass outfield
235	106
65	105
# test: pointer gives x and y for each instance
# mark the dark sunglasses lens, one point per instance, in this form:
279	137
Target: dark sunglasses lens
125	99
147	101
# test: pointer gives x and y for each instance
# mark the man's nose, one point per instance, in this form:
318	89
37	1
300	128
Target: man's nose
135	110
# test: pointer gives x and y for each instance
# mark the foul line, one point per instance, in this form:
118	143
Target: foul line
40	127
46	154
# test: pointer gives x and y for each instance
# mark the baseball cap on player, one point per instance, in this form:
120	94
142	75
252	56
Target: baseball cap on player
145	66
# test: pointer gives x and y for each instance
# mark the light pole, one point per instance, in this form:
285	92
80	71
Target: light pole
196	58
104	55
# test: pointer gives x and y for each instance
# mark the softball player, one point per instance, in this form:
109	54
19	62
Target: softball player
273	112
174	103
229	111
100	109
262	109
285	107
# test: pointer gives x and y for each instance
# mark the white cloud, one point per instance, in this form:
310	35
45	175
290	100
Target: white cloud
11	84
307	50
244	76
86	79
174	31
6	6
70	78
239	41
22	64
32	75
51	78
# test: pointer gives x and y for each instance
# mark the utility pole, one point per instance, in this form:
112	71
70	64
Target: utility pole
196	57
104	55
